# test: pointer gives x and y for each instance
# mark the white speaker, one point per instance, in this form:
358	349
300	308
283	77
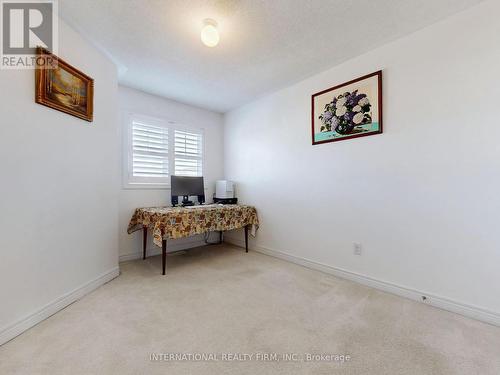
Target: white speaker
224	189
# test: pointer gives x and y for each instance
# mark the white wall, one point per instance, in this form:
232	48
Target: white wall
422	198
134	101
59	179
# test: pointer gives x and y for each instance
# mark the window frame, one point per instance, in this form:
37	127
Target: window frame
128	181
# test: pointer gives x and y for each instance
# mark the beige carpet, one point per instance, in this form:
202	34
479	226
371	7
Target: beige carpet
219	300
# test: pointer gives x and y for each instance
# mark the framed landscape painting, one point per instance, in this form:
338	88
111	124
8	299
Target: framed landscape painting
350	110
63	87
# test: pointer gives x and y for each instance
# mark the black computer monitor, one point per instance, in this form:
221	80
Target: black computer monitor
185	187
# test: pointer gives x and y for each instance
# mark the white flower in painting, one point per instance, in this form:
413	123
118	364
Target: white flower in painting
356	108
341	102
363	101
341	111
358	118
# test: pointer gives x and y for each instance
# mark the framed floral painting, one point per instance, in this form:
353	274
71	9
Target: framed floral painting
350	110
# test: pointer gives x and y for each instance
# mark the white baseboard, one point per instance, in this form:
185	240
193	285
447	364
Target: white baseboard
157	250
60	303
469	311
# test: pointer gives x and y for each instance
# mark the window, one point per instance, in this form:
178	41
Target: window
155	148
188	153
149	152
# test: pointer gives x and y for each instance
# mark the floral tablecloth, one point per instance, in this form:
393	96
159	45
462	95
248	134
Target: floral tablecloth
177	222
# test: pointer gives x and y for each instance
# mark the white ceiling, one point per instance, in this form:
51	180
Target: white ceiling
265	44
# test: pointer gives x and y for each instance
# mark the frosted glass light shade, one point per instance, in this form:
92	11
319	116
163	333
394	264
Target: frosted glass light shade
209	33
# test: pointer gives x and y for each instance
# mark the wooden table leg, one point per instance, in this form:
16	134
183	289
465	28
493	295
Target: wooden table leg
246	238
164	255
144	241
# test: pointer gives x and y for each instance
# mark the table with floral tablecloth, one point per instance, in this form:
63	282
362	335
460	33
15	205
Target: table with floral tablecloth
176	222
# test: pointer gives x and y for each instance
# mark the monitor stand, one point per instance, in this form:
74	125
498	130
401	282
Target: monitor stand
186	201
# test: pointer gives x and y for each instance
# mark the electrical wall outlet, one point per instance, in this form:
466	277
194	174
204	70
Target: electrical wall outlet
357	248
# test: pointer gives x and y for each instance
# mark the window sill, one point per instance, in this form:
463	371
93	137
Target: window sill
142	186
146	186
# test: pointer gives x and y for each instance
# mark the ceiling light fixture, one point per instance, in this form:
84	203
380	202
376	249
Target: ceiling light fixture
209	33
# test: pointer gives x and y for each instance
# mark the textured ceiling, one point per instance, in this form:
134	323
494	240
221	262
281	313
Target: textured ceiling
265	44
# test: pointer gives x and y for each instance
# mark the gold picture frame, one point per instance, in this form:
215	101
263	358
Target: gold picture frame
60	86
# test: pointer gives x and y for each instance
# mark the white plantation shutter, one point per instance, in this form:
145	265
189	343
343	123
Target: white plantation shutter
188	153
149	152
156	148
